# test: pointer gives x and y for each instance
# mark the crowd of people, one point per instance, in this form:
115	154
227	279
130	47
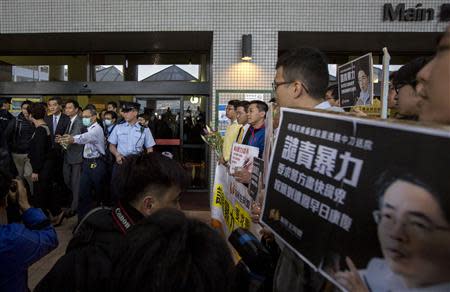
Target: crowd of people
419	91
130	235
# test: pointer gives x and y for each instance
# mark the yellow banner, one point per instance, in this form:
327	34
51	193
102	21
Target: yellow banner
234	217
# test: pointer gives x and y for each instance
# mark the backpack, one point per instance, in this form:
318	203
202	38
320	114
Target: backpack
90	256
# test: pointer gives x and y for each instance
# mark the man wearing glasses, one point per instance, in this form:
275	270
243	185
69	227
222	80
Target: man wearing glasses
364	86
301	80
414	234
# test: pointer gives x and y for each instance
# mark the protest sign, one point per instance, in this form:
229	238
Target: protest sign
242	157
355	82
231	202
258	167
327	174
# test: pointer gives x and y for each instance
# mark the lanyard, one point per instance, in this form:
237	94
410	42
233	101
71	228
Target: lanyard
112	128
252	130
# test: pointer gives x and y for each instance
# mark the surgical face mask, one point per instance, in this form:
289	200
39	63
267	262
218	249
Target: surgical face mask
108	123
87	122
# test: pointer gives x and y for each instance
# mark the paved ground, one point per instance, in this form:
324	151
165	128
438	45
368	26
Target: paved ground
37	271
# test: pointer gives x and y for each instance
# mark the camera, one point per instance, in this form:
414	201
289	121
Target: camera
254	255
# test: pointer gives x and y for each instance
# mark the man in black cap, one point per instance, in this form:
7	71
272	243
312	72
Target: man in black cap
404	82
128	138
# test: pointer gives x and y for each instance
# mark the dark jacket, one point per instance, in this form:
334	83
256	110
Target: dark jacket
6	162
21	245
91	254
5	118
40	148
19	133
74	152
63	123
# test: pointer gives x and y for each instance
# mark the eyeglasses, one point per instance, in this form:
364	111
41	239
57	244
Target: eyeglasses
397	87
412	225
276	84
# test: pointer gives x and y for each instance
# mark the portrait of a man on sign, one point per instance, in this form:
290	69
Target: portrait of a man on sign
355	82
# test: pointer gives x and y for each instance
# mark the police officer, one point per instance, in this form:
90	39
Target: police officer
128	138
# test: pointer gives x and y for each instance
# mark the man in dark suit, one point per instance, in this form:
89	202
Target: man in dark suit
57	123
5	117
56	120
73	155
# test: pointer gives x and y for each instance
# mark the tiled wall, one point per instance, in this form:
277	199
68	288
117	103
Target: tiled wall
229	19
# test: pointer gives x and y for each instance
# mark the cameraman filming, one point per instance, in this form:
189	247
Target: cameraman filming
21	244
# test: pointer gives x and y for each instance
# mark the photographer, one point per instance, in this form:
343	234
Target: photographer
148	182
21	244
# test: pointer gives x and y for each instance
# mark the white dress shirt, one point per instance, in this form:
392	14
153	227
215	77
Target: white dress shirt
93	140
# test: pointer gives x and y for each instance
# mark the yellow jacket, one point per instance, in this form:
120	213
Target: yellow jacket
230	136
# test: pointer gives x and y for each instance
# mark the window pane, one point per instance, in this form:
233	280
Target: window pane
179	72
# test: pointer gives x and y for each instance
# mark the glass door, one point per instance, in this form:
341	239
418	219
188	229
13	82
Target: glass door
176	123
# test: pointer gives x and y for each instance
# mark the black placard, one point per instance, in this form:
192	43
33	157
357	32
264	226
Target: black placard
324	177
258	166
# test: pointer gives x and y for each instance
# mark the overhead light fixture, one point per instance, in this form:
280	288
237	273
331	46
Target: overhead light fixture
246	47
194	100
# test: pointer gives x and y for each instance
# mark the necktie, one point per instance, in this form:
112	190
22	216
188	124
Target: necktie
240	135
70	128
55	123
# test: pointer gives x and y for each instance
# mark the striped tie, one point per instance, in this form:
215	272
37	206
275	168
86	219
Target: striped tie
240	135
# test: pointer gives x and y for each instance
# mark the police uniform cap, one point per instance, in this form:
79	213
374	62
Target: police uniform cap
127	106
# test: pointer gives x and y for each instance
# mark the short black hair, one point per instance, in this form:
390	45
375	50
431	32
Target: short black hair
113	103
145	116
390	176
74	102
261	105
170	252
392	75
37	111
92	108
308	65
361	68
26	102
112	113
406	75
141	173
57	99
334	91
245	104
4	100
234	103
